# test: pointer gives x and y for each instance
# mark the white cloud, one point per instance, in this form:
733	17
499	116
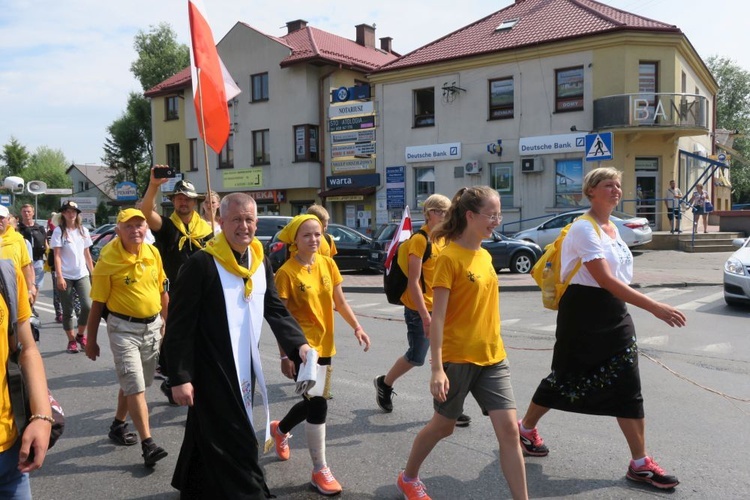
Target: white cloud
65	66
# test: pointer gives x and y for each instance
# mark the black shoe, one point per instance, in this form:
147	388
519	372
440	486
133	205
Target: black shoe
119	434
152	454
463	420
167	391
383	394
652	474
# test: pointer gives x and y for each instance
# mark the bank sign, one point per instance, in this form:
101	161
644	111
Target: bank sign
433	152
552	144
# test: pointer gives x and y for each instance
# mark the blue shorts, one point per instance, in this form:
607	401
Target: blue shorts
418	343
13	484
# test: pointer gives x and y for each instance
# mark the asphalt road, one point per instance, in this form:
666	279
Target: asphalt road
695	428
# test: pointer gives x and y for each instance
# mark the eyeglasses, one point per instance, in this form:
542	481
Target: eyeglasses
494	218
437	211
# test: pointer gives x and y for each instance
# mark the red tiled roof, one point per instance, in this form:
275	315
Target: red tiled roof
311	43
539	22
177	81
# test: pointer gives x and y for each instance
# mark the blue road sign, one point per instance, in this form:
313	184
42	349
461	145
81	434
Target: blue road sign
599	146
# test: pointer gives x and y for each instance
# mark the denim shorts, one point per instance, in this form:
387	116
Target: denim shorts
13	484
490	386
418	343
135	347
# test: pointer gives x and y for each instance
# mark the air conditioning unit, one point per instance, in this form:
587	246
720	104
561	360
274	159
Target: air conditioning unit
529	165
472	168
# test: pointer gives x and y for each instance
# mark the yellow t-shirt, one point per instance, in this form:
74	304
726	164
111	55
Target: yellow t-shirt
8	431
416	245
325	248
309	297
472	321
119	286
13	247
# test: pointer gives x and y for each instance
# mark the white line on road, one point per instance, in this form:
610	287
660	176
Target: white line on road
723	348
658	340
695	304
666	293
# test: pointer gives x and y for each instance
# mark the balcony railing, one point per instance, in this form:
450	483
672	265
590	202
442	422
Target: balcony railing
686	111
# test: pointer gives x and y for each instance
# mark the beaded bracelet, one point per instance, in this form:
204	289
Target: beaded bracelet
38	416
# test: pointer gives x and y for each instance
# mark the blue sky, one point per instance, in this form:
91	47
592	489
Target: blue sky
64	65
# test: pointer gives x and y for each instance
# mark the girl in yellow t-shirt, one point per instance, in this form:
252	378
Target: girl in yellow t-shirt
309	284
465	343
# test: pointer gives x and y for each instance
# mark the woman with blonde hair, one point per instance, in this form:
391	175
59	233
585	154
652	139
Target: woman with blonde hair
468	355
595	359
73	266
211	203
309	285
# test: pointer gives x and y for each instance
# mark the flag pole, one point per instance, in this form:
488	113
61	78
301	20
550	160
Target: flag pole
205	146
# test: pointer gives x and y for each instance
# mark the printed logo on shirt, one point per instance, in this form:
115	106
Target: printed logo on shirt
473	277
302	287
326	283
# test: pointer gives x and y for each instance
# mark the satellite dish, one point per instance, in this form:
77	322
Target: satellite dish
36	187
14	184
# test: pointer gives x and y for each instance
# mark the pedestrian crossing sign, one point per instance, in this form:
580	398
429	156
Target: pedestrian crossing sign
599	146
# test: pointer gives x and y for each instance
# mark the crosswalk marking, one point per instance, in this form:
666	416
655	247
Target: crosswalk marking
658	340
666	293
723	348
695	304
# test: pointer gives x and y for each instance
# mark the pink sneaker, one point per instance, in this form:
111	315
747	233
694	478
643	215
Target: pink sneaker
82	340
532	443
72	347
652	474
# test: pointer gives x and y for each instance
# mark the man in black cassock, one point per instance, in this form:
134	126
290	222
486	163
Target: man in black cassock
217	305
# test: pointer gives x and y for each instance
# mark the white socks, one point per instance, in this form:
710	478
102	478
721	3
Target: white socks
316	443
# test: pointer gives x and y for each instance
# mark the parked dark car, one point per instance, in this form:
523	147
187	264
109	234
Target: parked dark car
269	225
381	241
508	253
99	240
352	246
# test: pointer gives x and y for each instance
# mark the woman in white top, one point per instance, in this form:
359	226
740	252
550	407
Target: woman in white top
73	266
698	201
595	360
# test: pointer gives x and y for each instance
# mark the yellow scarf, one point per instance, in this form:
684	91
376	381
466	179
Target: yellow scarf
114	259
289	232
219	247
11	237
197	229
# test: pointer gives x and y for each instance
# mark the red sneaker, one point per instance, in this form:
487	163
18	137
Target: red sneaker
280	441
411	490
324	482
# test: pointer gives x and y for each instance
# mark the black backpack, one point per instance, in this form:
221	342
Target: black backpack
395	281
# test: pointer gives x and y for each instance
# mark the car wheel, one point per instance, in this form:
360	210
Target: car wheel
522	263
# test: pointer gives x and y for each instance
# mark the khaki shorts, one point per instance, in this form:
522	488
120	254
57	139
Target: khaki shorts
135	347
490	386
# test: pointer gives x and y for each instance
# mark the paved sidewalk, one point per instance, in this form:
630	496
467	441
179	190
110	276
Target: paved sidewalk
653	268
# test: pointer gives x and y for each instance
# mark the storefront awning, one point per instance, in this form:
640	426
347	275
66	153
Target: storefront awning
364	191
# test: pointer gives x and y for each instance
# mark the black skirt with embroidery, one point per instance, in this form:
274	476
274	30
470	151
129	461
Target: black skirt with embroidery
595	360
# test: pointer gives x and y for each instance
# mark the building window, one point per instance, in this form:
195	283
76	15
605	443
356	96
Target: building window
306	143
173	156
501	98
568	182
424	184
261	147
501	179
259	87
648	85
424	107
193	155
226	157
569	89
83	186
171	108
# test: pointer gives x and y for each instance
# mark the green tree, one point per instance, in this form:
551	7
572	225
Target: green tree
159	55
47	165
15	157
733	113
127	149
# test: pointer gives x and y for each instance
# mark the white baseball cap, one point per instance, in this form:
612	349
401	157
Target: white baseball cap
4	211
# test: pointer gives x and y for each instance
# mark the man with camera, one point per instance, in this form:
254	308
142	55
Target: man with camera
179	236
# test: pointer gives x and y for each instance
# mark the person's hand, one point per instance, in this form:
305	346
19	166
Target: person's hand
35	437
303	352
668	314
426	322
92	349
158	182
439	385
61	285
362	338
287	368
183	394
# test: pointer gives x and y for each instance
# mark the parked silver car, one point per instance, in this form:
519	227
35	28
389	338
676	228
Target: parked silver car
737	274
634	231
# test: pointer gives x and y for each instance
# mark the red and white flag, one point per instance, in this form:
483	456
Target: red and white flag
213	86
402	233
